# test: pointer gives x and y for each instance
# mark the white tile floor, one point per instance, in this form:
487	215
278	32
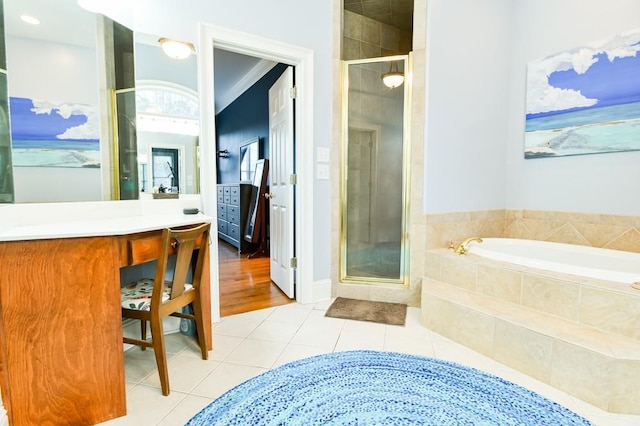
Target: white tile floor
248	344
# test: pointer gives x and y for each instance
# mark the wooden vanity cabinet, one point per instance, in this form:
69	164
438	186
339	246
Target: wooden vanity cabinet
61	349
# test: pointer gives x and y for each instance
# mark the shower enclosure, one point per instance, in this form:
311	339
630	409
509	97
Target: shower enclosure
375	171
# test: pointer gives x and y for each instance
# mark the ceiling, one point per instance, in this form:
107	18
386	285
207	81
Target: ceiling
63	21
397	13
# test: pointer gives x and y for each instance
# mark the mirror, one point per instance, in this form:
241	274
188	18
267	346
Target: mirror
249	155
53	85
167	118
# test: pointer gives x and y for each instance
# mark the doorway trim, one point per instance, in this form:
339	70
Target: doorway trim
212	36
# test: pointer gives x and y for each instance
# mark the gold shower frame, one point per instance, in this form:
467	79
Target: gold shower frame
404	279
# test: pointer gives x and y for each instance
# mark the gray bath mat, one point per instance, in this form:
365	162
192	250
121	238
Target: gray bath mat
364	310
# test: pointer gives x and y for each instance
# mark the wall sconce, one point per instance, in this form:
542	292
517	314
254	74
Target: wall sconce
176	49
223	154
393	78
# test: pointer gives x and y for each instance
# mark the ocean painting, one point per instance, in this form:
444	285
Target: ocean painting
585	100
54	134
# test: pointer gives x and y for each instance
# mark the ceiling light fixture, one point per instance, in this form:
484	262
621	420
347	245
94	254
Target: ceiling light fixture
393	78
176	49
30	19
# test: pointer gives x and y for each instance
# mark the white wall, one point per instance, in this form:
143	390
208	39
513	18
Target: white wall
467	100
56	184
604	183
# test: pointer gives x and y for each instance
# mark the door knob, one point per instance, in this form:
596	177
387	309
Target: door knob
268	195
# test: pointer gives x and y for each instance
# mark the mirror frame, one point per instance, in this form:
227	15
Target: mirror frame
245	147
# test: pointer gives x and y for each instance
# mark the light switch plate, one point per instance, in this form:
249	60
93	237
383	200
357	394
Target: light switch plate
322	155
322	171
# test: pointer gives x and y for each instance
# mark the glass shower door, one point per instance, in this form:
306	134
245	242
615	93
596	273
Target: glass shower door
374	175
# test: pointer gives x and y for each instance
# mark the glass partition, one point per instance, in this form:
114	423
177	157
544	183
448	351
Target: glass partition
375	171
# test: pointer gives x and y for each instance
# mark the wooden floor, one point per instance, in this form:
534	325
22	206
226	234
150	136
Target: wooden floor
244	283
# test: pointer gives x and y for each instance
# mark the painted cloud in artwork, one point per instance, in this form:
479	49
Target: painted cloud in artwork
85	131
543	97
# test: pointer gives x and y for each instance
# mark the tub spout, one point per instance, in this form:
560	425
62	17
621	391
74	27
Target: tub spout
462	248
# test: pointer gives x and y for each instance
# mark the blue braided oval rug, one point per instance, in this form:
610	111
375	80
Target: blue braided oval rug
381	388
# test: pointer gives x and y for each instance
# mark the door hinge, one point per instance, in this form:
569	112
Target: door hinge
294	262
293	92
293	179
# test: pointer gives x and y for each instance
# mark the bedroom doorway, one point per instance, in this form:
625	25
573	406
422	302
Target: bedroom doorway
217	37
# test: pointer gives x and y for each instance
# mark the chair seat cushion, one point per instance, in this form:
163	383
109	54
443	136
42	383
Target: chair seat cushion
137	295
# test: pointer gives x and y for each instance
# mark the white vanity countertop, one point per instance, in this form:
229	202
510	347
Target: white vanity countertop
100	227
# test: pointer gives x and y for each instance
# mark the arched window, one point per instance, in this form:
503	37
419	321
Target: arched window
166	108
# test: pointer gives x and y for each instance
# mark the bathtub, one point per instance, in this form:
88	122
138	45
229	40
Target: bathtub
599	263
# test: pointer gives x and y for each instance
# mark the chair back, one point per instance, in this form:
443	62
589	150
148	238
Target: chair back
182	243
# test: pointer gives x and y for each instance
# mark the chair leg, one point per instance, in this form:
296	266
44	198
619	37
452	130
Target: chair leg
157	336
202	341
143	332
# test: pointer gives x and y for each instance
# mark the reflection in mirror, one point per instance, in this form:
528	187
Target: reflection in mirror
54	99
167	117
55	105
248	158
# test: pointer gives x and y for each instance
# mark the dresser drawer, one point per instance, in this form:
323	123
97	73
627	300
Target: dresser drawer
227	190
233	214
234	191
222	226
233	231
234	200
222	211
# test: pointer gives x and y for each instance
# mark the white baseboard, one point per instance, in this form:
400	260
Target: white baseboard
321	290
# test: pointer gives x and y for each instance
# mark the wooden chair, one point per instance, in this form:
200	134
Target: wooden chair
154	299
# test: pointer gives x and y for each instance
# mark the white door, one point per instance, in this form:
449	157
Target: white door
281	189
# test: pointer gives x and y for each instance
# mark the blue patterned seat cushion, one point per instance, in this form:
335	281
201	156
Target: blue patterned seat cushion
137	295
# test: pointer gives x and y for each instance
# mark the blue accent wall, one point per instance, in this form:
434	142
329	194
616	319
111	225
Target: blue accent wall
245	118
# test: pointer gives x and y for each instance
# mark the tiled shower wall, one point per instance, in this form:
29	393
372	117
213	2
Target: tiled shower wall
596	230
366	38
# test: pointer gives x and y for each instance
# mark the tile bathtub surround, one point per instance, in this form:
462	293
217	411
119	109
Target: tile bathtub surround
607	306
305	332
550	349
539	322
616	232
443	227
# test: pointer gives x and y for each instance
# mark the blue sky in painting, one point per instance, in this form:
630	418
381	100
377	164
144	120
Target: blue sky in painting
595	75
610	82
48	122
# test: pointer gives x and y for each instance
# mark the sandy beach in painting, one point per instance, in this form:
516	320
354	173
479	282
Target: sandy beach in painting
595	130
611	136
55	158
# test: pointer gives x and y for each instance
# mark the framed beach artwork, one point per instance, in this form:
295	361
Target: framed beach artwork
54	134
585	100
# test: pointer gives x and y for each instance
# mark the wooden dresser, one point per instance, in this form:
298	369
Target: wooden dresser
61	350
234	201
